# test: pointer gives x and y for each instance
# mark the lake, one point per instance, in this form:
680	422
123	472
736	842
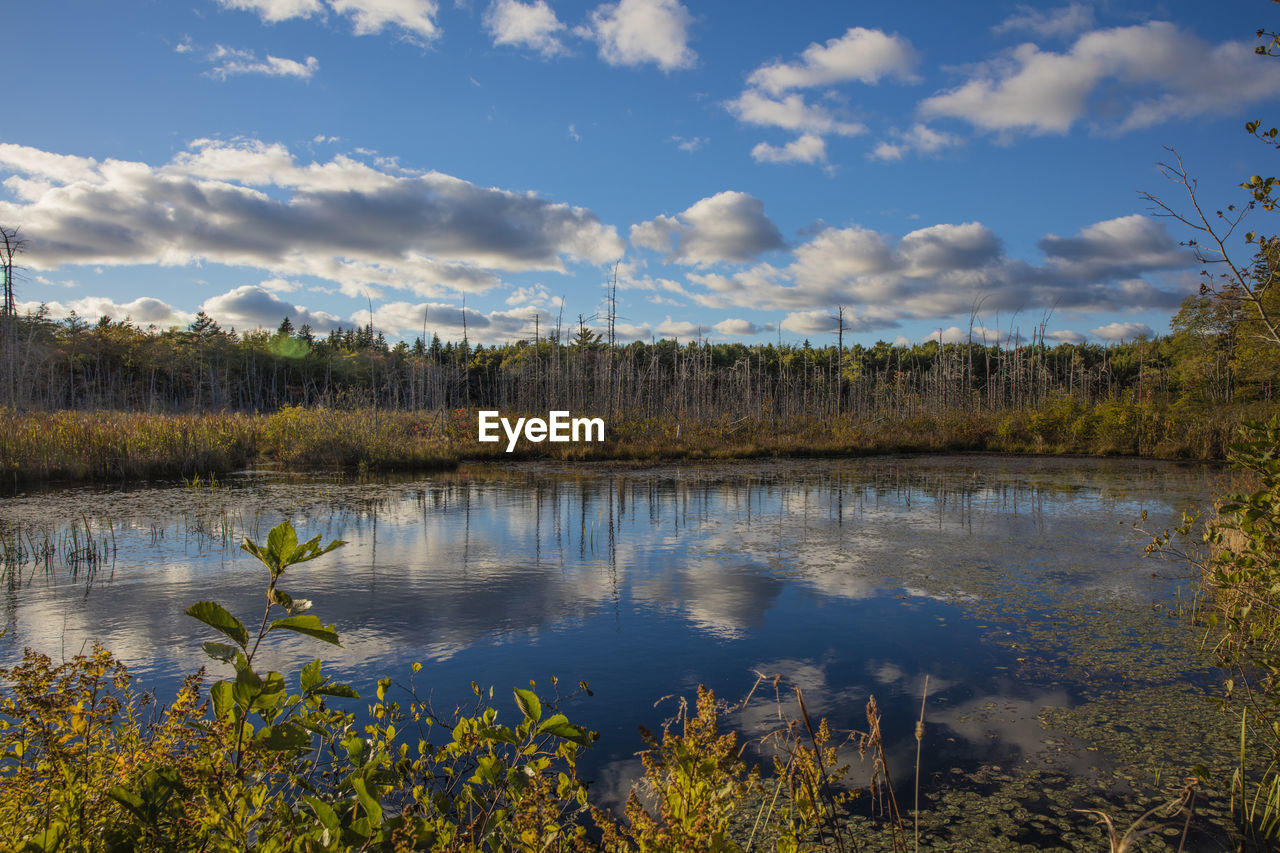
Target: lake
1061	673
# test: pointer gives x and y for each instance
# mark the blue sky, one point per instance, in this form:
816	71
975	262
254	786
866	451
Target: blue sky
747	167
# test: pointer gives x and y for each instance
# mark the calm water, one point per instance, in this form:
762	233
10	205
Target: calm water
994	576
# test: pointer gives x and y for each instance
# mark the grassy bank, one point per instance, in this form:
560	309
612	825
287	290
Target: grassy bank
117	446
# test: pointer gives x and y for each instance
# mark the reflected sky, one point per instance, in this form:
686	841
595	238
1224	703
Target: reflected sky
847	577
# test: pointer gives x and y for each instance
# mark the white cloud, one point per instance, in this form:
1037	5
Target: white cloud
690	145
768	100
860	54
978	335
59	168
253	307
531	25
1120	246
273	11
340	220
143	311
944	271
733	326
669	328
729	226
1146	74
789	113
415	17
405	318
807	149
229	62
921	139
1065	336
1065	21
372	16
279	285
638	32
530	296
1122	331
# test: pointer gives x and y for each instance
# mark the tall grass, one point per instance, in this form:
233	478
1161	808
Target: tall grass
119	446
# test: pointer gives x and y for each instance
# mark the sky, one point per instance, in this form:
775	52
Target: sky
742	170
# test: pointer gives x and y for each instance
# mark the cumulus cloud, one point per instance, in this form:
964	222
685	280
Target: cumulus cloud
807	149
978	335
530	25
1122	331
944	271
1065	21
1065	336
920	139
450	321
273	11
229	62
789	113
729	226
253	307
1122	246
250	204
143	311
669	328
734	326
1145	74
861	55
415	17
770	100
817	322
640	32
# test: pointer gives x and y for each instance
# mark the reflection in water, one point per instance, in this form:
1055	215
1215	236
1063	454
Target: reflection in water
849	578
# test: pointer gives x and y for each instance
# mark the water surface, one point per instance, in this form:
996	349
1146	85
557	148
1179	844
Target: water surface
1017	585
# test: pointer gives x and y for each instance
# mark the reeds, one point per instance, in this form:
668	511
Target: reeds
116	447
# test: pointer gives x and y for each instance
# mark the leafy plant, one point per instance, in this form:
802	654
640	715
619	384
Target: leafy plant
1241	573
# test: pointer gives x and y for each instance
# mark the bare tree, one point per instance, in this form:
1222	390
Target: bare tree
13	245
1250	283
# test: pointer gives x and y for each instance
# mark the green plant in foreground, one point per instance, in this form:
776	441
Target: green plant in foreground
264	767
271	769
1241	573
320	783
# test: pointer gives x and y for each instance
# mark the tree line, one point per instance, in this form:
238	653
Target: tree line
1212	357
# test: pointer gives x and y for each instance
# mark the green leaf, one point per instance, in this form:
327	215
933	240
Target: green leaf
308	624
324	812
343	691
370	804
223	698
499	733
283	737
310	677
126	798
529	704
216	616
270	694
220	651
281	540
559	726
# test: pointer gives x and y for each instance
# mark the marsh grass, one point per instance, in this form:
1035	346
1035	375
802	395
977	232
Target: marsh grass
108	446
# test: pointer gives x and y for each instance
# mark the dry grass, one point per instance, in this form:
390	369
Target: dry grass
117	446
